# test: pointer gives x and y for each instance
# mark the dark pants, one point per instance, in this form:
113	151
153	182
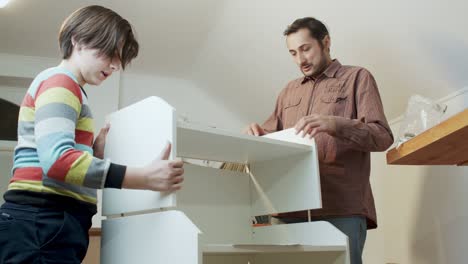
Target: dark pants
35	235
355	227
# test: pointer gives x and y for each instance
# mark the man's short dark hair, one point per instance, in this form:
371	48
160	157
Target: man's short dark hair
100	28
316	28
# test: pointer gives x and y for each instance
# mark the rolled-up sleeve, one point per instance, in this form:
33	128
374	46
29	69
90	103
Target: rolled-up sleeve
370	130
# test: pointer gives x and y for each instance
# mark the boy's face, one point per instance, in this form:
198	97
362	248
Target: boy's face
95	68
307	53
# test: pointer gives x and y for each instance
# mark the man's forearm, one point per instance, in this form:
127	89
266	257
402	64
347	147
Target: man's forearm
363	136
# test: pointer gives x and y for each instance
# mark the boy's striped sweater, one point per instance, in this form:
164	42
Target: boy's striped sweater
54	154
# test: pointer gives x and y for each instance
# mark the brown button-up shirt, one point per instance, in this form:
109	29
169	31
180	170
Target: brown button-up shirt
351	94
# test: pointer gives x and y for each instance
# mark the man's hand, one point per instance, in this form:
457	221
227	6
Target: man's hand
100	142
254	129
313	124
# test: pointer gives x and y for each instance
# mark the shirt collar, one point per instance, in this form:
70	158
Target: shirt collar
330	71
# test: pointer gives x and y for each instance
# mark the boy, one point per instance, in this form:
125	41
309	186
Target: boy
57	168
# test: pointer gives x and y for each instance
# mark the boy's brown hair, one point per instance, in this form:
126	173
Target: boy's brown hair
100	28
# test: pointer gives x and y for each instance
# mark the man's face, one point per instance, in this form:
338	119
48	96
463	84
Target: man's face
307	52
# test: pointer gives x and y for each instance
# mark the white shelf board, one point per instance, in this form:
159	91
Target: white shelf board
229	146
219	249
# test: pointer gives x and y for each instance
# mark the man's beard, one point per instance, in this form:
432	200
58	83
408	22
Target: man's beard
322	65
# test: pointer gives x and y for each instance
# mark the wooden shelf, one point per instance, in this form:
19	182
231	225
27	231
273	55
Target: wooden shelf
444	144
94	231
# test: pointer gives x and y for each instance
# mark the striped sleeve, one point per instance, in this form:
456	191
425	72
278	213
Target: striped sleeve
58	103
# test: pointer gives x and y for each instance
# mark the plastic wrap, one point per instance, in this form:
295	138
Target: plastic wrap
421	114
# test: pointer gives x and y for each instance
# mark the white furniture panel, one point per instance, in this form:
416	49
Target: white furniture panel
218	203
283	177
295	175
286	185
220	145
315	236
164	237
326	257
308	240
137	136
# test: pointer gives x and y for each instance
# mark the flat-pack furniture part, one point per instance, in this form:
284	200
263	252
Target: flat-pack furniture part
210	219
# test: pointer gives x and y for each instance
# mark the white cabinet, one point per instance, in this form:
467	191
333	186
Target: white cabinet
209	220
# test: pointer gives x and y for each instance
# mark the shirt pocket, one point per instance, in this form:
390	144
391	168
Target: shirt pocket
291	112
335	98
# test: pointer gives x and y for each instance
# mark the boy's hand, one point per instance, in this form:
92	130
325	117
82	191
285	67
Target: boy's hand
160	175
100	142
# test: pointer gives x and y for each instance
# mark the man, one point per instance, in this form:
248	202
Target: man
58	165
340	107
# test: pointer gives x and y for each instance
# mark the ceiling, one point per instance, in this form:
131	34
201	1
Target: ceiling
168	31
234	49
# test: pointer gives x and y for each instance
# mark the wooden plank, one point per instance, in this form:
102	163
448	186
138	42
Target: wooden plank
94	231
444	144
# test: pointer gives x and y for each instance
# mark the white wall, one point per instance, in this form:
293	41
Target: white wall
409	46
6	163
190	100
374	249
12	94
103	99
422	210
